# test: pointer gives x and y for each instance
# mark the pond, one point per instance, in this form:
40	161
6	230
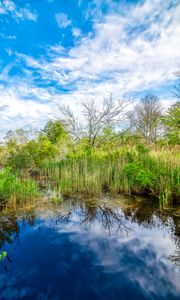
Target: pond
108	248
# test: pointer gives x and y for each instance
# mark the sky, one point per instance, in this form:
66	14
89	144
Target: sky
56	52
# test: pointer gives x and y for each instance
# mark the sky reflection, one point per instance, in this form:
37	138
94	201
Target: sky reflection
82	251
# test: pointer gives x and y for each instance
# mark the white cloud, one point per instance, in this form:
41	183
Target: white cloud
130	50
8	51
27	14
94	8
8	7
62	20
16	112
76	32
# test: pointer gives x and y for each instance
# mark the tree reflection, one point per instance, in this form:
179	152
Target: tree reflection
149	214
10	229
175	229
112	218
109	218
144	212
90	212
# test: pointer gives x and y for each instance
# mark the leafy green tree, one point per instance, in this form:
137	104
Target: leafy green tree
57	134
55	131
19	159
171	121
40	150
33	154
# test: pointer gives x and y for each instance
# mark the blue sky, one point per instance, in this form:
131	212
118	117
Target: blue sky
56	52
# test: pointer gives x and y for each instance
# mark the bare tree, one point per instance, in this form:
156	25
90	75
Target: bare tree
145	117
95	118
71	122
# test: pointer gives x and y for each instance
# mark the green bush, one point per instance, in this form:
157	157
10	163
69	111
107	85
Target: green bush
138	176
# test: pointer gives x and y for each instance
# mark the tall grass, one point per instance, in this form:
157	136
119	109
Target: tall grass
15	189
125	171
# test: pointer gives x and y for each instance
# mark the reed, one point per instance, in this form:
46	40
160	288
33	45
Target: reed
125	171
12	188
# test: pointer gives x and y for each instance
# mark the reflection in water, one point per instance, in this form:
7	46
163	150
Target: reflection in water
91	249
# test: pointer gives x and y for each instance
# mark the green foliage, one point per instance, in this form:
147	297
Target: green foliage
81	148
116	164
55	131
11	187
139	177
124	171
33	154
171	123
41	150
142	149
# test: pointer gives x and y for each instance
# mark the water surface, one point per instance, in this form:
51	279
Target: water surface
90	249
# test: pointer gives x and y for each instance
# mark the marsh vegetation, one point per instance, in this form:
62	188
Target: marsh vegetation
114	149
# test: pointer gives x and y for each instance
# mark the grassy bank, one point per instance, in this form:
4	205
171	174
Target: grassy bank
14	189
126	171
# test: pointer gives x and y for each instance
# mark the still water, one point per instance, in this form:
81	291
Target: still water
109	248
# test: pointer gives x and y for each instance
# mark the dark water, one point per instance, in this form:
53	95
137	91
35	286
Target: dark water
91	249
